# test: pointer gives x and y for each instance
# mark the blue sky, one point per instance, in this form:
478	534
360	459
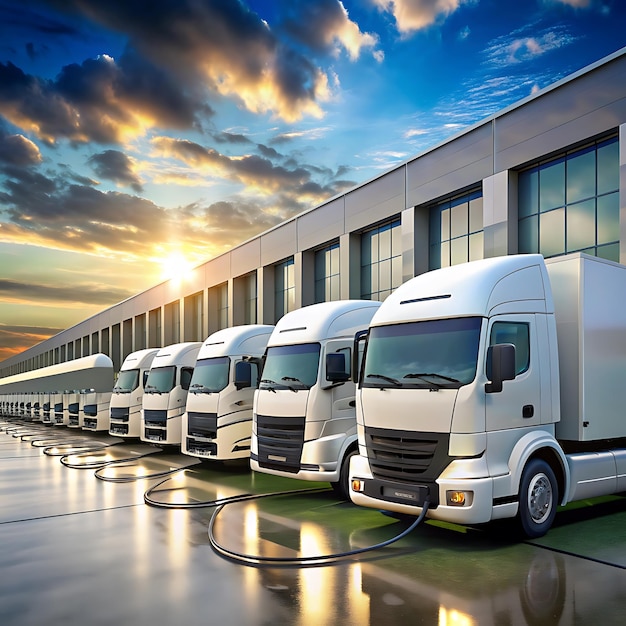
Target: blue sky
135	135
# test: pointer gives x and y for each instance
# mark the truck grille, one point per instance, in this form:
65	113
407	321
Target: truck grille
405	456
202	425
118	429
156	418
119	413
280	441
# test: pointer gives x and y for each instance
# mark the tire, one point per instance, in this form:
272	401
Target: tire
538	497
342	486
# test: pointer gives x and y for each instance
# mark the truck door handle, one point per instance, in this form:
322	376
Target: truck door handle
528	410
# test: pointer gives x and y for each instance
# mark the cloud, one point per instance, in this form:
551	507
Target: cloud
16	339
116	166
55	212
325	26
98	100
92	294
413	15
215	46
519	48
18	150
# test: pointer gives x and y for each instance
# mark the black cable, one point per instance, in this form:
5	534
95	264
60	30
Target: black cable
311	561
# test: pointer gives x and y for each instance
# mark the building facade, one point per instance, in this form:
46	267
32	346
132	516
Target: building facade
546	175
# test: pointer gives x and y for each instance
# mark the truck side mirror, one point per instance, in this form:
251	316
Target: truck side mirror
336	368
243	375
500	366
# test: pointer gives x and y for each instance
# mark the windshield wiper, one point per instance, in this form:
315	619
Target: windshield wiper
120	390
295	380
152	389
199	388
422	376
393	381
270	384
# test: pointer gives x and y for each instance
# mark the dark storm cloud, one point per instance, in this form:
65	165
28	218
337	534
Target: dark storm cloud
18	150
220	45
98	100
85	294
116	166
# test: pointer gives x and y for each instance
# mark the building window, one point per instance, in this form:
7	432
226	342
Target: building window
456	230
571	203
250	299
381	260
285	290
222	305
327	283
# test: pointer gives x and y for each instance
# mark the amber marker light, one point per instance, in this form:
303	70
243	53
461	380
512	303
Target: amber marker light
357	485
457	498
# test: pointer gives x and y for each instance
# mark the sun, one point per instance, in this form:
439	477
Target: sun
175	267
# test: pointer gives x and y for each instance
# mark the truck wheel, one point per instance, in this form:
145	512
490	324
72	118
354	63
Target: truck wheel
538	498
342	486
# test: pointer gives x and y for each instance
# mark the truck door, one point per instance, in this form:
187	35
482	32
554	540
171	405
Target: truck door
519	402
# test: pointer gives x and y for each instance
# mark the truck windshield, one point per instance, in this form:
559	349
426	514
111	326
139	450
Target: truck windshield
432	354
161	379
210	375
127	381
291	367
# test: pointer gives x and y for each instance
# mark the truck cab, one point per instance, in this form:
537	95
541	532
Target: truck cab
217	423
304	423
165	393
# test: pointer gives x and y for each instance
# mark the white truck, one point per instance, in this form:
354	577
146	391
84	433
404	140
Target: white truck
304	423
495	389
127	394
94	409
217	423
165	393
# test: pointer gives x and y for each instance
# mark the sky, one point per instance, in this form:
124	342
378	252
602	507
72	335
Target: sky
140	137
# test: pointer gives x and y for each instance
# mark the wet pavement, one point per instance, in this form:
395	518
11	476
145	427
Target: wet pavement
96	530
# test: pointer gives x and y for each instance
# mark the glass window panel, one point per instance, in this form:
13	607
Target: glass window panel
335	287
375	254
291	275
334	260
320	263
320	291
445	254
459	220
609	252
366	249
552	233
458	251
396	240
434	261
581	225
581	176
396	272
375	278
552	186
608	167
384	244
476	246
528	186
608	218
445	225
476	215
385	274
291	300
366	280
435	225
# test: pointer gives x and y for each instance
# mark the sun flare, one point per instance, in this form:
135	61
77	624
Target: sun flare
175	267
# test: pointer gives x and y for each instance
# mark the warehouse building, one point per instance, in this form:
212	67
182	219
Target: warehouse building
547	175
